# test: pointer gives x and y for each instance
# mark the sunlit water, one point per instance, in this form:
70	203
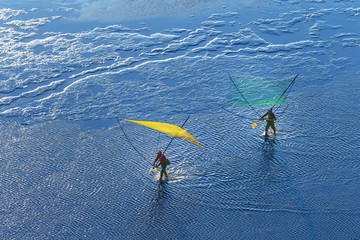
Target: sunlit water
68	171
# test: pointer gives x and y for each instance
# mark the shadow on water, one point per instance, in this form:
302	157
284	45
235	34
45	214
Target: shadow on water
161	212
267	157
271	168
268	149
159	199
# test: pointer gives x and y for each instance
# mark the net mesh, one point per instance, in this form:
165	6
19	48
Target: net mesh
256	91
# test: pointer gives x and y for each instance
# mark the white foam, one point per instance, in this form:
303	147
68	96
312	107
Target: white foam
32	24
213	23
7	13
116	68
32	93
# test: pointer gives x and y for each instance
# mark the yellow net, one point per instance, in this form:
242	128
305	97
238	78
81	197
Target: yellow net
169	129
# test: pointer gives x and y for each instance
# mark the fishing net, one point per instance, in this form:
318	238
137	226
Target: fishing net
256	91
169	129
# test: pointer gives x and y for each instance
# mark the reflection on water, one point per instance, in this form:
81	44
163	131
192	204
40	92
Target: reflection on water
164	220
268	148
160	194
268	167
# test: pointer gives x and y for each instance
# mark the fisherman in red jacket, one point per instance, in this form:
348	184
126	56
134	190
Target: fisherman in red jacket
163	162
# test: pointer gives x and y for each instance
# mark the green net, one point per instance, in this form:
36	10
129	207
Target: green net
257	91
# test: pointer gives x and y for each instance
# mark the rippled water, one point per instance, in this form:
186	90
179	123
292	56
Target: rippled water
68	172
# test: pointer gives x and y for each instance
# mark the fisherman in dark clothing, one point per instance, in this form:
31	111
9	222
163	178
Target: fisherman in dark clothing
270	121
163	162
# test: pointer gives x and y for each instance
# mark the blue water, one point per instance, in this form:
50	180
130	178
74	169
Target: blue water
68	172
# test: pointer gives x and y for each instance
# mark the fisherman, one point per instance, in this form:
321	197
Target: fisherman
163	162
270	121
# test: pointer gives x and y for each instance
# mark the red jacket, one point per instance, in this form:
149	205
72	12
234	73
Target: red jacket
158	158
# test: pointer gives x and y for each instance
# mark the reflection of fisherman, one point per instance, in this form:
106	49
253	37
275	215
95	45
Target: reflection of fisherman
160	157
270	121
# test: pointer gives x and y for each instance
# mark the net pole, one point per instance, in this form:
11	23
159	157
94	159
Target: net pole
292	82
172	139
175	136
284	98
126	136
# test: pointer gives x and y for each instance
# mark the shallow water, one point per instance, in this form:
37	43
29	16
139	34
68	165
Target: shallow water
68	172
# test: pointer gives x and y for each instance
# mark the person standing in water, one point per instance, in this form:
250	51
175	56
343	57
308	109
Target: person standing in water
163	162
270	121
